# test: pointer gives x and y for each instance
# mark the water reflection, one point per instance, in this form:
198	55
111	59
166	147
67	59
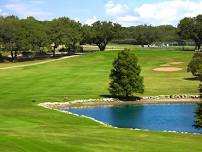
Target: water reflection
174	117
126	115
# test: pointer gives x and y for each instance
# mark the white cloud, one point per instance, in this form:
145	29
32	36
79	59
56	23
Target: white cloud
115	9
24	9
77	19
164	12
91	20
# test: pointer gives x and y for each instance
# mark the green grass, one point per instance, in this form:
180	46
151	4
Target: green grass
27	127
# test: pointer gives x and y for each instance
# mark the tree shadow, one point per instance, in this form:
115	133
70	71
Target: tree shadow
192	79
122	98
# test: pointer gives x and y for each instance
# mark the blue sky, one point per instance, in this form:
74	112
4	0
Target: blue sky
125	12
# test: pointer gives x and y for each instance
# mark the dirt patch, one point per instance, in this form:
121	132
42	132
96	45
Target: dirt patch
167	69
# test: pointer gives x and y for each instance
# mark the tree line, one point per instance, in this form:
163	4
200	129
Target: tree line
31	35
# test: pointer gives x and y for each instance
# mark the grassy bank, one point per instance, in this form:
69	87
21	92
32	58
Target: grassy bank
27	127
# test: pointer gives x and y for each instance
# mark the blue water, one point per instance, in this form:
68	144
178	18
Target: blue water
170	117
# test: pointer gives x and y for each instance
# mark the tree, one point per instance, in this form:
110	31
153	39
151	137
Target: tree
36	34
198	113
10	35
191	29
125	75
103	32
167	33
87	34
63	31
195	64
74	34
145	35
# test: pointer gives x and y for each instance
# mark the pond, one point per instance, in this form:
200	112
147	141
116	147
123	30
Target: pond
161	117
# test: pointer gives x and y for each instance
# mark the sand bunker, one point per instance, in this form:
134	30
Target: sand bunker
167	69
170	64
176	63
165	65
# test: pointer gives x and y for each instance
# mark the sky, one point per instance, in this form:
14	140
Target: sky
124	12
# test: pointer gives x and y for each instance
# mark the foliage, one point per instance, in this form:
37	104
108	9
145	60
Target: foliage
195	64
20	35
125	75
191	28
147	34
103	32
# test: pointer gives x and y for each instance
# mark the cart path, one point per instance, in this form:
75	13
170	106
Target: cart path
38	63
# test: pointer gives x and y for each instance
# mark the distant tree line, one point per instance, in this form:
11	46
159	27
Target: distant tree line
31	35
147	35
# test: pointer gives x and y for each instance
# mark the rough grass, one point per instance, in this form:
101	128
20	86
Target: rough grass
26	127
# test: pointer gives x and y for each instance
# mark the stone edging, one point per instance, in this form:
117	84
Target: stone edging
149	99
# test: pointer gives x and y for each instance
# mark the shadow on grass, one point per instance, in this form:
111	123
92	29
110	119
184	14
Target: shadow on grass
192	79
122	98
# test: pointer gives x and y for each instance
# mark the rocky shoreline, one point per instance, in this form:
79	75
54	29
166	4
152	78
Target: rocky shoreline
162	99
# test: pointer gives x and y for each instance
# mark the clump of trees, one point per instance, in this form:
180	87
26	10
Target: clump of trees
147	35
31	35
125	75
190	28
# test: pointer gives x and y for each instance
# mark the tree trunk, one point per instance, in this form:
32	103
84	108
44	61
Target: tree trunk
12	55
199	47
102	46
54	51
16	55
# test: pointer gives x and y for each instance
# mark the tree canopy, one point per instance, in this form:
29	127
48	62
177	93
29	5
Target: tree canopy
101	33
18	35
191	28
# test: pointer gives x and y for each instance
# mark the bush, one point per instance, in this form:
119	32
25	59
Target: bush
125	75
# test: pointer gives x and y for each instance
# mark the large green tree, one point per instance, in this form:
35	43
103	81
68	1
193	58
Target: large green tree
36	34
125	75
103	32
191	29
145	35
63	31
